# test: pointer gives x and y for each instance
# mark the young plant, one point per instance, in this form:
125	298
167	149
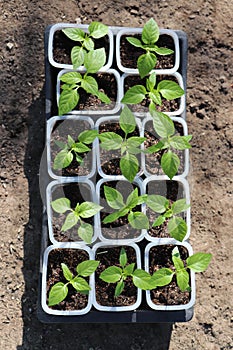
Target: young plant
72	149
177	226
118	274
129	146
96	30
81	211
150	35
197	262
164	127
115	200
166	88
73	81
59	290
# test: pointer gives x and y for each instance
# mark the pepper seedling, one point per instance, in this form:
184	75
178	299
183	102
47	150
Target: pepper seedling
59	290
198	262
164	127
73	81
129	146
150	35
118	274
81	211
177	226
115	200
166	88
96	30
72	149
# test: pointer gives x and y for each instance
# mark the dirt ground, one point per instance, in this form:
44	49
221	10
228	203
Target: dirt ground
208	24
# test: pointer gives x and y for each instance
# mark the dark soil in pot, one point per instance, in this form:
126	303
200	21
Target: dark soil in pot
153	161
71	257
160	256
76	193
62	47
119	229
110	160
129	53
60	132
109	256
167	106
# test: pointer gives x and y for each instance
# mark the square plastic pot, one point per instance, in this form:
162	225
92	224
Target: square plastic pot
44	304
137	265
160	185
134	31
158	307
183	155
69	188
116	105
59	26
69	125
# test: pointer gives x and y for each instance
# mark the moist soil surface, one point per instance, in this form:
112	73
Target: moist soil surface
208	25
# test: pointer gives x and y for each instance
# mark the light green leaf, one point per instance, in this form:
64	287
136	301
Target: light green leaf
68	101
151	81
163	124
142	279
127	120
61	205
111	275
89	84
135	141
70	221
134	41
182	278
66	272
132	199
57	293
110	140
97	30
157	203
178	263
88	209
123	257
80	284
103	97
162	144
62	160
170	89
163	51
159	221
170	163
119	288
94	60
199	262
112	217
146	63
162	277
138	220
177	228
150	32
71	78
70	141
128	270
77	57
155	97
75	34
60	144
86	268
88	43
134	95
129	166
80	147
114	198
179	206
180	142
85	232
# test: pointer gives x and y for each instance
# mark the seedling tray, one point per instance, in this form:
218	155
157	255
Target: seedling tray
139	315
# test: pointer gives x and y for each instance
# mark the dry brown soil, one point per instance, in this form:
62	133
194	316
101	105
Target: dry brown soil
208	24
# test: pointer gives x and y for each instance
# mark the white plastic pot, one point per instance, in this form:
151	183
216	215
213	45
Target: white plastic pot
192	277
185	169
183	192
133	31
84	27
90	157
58	185
44	304
116	105
137	265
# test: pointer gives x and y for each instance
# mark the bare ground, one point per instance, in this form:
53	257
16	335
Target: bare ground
208	24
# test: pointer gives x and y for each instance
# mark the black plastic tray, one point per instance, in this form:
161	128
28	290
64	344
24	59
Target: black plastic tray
94	316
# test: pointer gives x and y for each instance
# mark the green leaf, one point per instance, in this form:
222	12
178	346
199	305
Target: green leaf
66	272
163	124
142	279
119	288
132	199
114	198
123	257
162	277
170	163
75	34
94	60
178	263
77	57
88	43
159	221
110	140
88	209
62	160
71	78
80	284
57	293
86	268
150	32
111	275
112	217
135	141
103	97
180	142
199	262
182	278
162	144
146	63
128	270
127	120
163	51
179	206
68	101
89	84
60	144
138	220
157	203
134	95
70	141
97	30
177	228
80	147
129	166
134	41
61	205
170	89
155	97
70	221
175	252
85	232
151	81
